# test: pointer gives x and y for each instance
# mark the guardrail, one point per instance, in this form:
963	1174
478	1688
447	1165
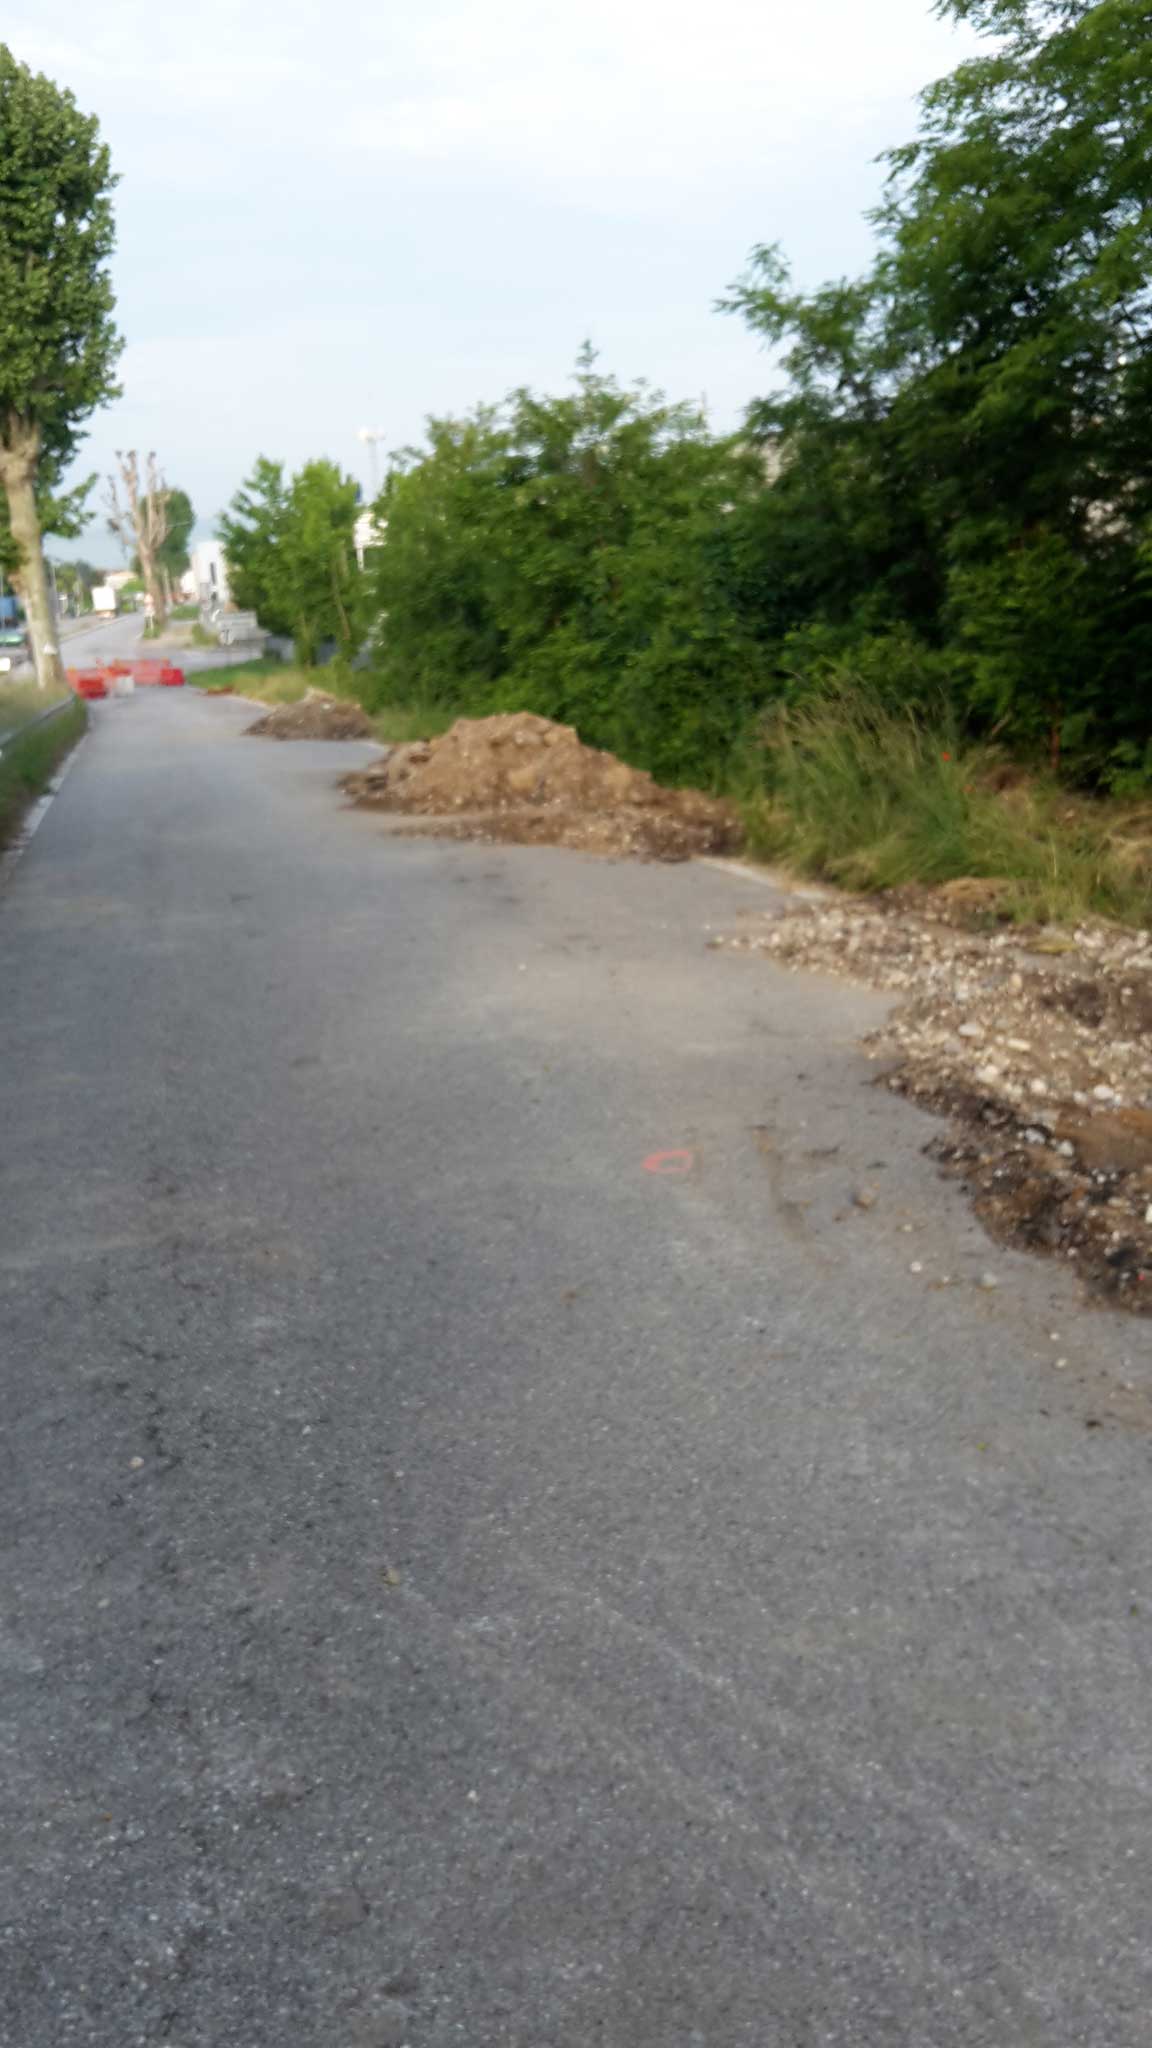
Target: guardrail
42	718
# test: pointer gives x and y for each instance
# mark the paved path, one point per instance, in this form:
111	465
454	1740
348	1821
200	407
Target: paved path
462	1587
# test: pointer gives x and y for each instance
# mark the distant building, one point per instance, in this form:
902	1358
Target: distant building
366	534
206	580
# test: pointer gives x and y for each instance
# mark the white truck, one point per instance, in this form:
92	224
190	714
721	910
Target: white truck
104	601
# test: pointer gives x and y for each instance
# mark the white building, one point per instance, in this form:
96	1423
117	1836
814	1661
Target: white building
367	534
206	580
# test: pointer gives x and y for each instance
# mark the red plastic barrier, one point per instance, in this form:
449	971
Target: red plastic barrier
149	671
171	677
89	682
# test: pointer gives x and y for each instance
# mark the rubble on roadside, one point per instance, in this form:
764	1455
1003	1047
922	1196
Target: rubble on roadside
1035	1041
317	715
528	781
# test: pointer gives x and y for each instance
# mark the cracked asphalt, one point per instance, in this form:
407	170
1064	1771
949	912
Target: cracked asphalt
470	1579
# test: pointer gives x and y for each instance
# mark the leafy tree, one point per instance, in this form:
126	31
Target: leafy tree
173	554
251	531
74	580
291	556
58	343
968	429
566	555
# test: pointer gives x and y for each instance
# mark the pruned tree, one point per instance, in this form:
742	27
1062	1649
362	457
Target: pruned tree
58	342
140	520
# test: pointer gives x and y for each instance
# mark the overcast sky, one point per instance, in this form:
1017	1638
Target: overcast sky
335	216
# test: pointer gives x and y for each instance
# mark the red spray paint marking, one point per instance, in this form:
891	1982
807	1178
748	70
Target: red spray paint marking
671	1164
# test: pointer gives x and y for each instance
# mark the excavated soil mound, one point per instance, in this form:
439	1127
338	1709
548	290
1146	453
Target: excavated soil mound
317	716
523	779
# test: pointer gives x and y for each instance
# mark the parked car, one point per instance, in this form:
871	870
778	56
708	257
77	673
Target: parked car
14	647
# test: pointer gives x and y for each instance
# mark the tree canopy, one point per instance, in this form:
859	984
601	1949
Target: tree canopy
948	496
565	555
58	341
291	556
172	554
966	430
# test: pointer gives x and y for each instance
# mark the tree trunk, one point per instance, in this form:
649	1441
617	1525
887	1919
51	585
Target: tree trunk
150	576
18	458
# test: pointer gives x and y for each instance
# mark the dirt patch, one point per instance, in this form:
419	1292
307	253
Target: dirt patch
1037	1043
525	780
317	716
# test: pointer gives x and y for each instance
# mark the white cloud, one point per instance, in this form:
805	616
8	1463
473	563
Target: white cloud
612	89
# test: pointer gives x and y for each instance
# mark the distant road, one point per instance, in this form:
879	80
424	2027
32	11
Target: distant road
85	641
499	1549
90	641
94	640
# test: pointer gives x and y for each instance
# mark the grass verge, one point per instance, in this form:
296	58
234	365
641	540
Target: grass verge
850	790
263	678
22	701
29	762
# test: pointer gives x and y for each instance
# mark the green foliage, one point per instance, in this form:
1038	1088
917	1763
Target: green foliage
58	343
74	581
29	762
565	555
64	513
272	682
20	701
943	517
172	554
291	557
966	433
236	675
250	531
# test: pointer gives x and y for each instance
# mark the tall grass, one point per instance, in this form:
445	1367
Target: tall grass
20	701
253	678
270	682
850	789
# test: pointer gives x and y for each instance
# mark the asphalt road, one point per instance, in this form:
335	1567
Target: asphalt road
91	641
96	640
461	1586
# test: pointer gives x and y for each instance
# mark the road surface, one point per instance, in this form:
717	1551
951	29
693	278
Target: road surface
498	1549
89	641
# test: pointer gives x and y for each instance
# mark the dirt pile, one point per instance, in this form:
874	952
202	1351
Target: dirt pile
523	779
316	716
1038	1042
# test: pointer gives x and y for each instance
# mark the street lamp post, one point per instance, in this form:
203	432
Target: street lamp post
372	436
